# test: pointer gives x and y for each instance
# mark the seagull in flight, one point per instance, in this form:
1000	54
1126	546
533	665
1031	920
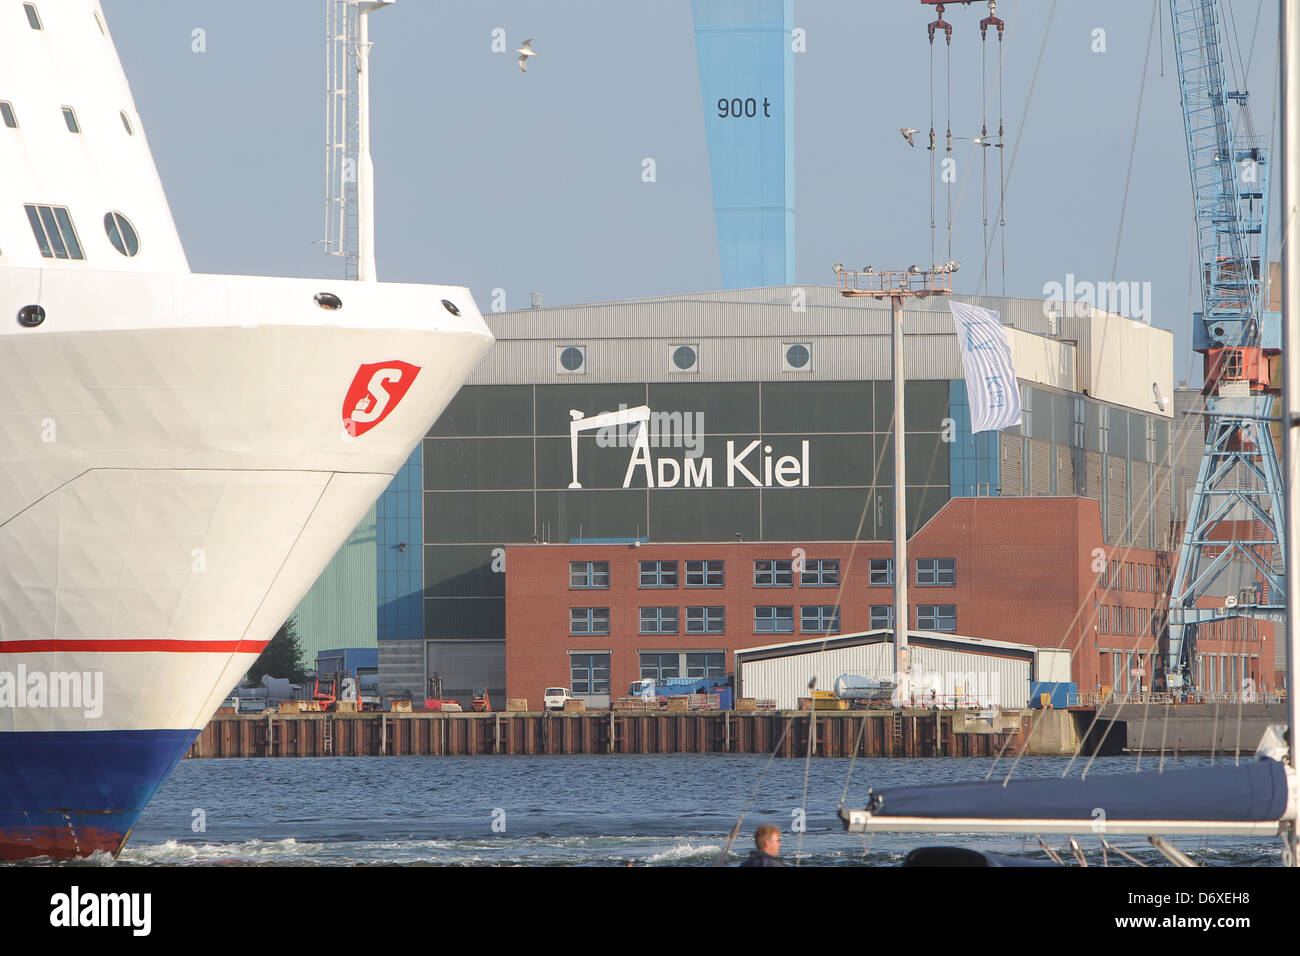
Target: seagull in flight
907	135
525	52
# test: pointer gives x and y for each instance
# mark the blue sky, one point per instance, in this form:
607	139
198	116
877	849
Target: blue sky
490	178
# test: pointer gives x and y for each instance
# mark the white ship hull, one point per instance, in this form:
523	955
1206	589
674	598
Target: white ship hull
175	472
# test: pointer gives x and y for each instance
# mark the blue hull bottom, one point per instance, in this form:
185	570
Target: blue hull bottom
71	793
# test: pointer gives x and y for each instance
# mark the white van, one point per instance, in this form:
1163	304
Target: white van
555	697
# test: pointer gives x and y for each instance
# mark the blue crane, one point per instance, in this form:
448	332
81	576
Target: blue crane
1235	524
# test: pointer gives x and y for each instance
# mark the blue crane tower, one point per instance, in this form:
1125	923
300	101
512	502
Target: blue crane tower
1236	516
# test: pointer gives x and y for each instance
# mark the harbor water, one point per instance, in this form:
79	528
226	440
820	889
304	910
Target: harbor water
641	810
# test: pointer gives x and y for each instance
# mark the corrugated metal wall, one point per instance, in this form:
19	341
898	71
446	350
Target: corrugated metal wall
630	340
994	681
1064	471
1013	467
401	668
1140	474
1092	479
1040	467
1117	485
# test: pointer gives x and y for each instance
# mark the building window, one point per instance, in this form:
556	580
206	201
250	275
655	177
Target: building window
658	620
7	114
819	619
52	227
706	664
705	620
936	572
70	118
820	573
774	620
797	358
658	574
704	574
773	574
685	358
588	620
571	359
660	667
882	571
882	616
589	673
588	574
33	18
1128	576
936	617
121	234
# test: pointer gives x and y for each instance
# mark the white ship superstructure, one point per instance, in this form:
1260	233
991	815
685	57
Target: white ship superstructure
180	454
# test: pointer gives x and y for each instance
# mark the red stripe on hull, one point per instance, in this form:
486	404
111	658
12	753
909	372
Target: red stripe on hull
171	647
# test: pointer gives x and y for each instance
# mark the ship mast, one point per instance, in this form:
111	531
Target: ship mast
349	168
1289	43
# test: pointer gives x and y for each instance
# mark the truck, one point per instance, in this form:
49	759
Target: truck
863	692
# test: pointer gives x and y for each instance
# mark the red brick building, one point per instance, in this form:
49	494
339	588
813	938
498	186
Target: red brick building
1036	571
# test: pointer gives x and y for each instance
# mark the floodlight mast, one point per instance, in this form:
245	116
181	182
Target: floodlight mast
915	283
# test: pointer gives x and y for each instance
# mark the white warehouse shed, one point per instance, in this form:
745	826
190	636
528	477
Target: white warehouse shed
946	668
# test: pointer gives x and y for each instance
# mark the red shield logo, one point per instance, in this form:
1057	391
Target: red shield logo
375	391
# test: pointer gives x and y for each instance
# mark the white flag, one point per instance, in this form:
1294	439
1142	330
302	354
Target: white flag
990	379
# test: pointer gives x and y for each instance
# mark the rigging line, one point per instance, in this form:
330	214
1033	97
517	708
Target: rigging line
1137	122
807	763
984	153
735	830
1254	35
1033	82
1161	8
1002	159
857	745
1137	649
948	122
961	192
932	151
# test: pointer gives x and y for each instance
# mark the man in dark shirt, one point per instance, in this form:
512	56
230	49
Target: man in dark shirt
767	839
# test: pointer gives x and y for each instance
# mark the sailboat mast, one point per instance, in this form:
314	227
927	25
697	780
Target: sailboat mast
1289	46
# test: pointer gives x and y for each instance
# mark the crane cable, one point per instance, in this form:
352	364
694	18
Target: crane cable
931	148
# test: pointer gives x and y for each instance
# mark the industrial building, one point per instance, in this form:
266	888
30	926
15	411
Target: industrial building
949	669
772	410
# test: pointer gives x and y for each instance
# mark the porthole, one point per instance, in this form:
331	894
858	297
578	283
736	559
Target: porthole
70	117
450	306
7	114
572	359
99	22
30	316
685	358
121	234
798	358
33	18
126	123
328	300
